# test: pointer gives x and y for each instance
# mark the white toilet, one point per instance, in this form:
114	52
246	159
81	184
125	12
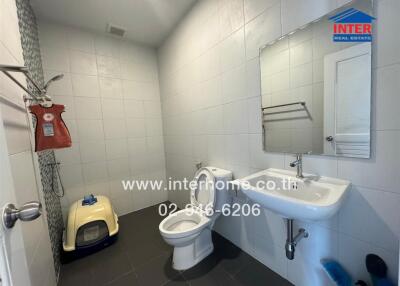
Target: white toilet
189	230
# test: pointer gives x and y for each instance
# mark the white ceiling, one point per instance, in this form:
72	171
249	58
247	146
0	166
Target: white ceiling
146	21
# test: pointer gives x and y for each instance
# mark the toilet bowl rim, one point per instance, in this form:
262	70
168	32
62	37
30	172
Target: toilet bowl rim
204	221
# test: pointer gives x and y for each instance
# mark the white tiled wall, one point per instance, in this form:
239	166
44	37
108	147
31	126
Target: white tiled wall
113	113
209	78
30	241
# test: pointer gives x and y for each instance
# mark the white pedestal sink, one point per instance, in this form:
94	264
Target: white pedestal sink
311	198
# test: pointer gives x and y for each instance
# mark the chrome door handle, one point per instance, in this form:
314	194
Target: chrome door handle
29	211
329	138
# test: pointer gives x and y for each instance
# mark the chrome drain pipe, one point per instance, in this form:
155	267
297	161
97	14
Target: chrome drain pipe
291	241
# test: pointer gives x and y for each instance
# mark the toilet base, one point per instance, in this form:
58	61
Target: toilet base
185	257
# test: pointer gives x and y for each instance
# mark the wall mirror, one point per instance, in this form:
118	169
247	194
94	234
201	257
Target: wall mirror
316	93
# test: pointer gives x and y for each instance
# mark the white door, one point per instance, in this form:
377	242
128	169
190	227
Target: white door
347	102
13	263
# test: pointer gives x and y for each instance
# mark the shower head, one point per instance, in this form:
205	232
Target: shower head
55	78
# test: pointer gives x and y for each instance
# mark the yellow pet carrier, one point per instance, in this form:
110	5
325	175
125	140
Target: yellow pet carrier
92	225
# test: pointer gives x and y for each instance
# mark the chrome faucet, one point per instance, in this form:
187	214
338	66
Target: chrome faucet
299	164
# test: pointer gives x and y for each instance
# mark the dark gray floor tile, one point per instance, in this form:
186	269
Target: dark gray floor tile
202	268
142	253
158	271
255	273
231	258
75	273
109	264
178	281
208	274
129	279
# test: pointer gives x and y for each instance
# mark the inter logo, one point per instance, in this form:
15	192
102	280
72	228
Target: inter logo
352	25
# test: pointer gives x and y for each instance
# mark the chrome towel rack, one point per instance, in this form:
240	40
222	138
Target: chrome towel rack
6	69
302	103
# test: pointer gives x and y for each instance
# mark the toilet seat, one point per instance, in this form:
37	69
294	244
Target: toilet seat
183	223
202	195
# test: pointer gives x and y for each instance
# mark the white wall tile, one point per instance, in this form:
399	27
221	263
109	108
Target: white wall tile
22	170
116	148
152	109
118	169
133	108
16	129
115	128
253	8
231	16
108	66
236	149
83	63
235	117
210	65
233	51
153	127
80	40
90	130
136	127
72	175
384	158
110	87
234	84
253	78
85	86
138	90
95	172
92	151
386	45
137	146
87	108
386	99
255	114
298	13
112	108
107	46
55	58
138	164
368	215
262	30
301	75
102	188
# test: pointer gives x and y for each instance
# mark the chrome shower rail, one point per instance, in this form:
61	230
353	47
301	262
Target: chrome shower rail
302	103
6	69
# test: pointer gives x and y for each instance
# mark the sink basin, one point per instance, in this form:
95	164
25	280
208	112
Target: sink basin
311	198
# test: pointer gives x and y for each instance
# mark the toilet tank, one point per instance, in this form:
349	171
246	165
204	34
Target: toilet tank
222	194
